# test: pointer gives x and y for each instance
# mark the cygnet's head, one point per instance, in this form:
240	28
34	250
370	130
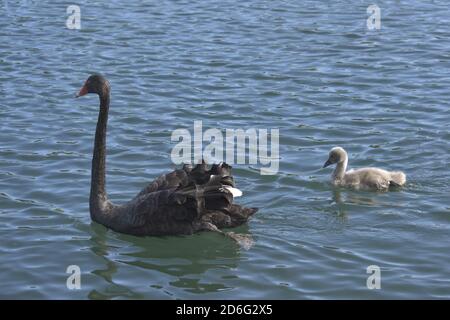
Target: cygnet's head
337	154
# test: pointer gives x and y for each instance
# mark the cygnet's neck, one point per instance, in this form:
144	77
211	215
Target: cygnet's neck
339	171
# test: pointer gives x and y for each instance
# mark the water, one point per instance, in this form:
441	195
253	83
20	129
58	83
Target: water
310	68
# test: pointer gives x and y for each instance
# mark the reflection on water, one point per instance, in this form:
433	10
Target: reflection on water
184	258
338	203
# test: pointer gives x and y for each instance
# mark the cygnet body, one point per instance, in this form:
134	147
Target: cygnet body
364	178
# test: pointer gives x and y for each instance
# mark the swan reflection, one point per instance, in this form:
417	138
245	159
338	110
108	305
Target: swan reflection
182	262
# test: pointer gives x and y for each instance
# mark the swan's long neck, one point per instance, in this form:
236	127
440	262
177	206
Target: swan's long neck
339	171
98	198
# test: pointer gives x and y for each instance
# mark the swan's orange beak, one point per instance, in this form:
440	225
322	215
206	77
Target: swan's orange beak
83	91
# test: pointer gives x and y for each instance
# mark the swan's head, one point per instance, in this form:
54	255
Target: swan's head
337	154
95	84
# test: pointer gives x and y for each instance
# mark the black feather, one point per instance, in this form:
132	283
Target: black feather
180	201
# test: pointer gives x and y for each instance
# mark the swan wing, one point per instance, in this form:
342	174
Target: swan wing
182	201
166	181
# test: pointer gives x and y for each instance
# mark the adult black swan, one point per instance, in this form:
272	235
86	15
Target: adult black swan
182	202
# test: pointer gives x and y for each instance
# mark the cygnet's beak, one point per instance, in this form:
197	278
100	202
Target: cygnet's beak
327	163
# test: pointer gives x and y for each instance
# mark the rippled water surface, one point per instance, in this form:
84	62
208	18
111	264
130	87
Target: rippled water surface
310	68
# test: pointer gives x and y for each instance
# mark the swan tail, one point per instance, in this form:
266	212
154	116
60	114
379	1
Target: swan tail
398	179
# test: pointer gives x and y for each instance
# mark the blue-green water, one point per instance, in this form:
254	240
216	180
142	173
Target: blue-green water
310	68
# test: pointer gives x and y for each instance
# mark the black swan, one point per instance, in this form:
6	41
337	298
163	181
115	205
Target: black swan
182	202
